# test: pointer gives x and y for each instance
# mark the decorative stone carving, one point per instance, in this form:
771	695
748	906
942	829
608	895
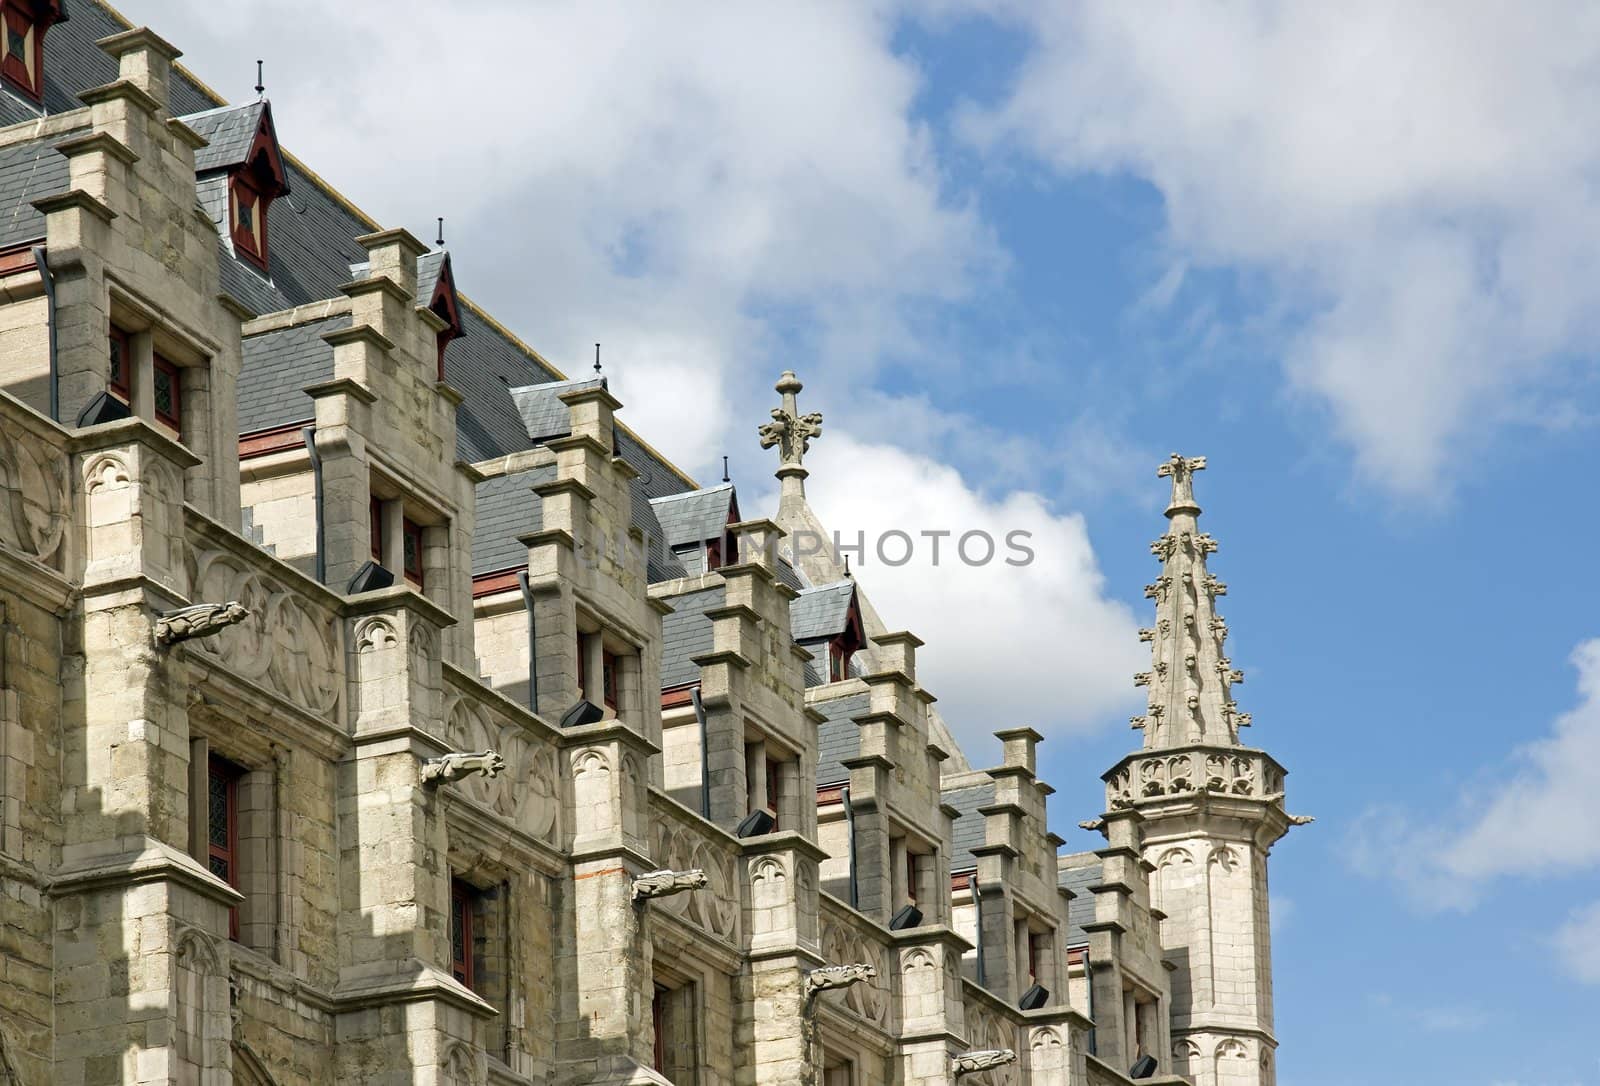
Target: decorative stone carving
1157	589
1181	469
286	642
972	1062
789	430
33	494
1093	825
453	767
678	845
1301	820
843	941
666	882
1147	635
526	793
1170	774
200	620
830	978
1163	547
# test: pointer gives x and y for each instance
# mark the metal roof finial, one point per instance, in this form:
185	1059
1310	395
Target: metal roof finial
439	241
597	358
847	565
261	85
725	469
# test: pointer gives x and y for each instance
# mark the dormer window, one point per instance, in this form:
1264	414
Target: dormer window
22	63
447	308
411	537
249	217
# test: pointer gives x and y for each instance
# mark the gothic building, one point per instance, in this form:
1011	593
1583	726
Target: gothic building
377	708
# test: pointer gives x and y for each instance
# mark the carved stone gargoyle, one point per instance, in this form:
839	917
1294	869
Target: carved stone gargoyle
200	620
454	766
666	882
829	978
972	1062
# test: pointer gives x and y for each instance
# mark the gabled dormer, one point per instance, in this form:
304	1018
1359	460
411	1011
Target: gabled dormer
22	63
437	282
240	172
826	620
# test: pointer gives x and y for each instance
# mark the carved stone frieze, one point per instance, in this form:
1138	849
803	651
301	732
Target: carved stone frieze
677	845
33	494
285	642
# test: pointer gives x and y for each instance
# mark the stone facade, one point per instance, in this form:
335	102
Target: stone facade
405	804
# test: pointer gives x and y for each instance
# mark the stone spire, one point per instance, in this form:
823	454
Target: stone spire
792	433
1191	679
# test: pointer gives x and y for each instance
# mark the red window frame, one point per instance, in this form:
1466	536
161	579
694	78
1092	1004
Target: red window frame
120	348
411	552
174	417
16	19
375	529
659	1052
245	192
608	679
463	900
838	661
222	849
911	876
713	554
773	778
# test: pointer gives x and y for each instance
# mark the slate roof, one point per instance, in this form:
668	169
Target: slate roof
544	416
230	130
694	516
27	172
277	366
838	736
73	63
1078	879
967	828
686	633
507	508
819	613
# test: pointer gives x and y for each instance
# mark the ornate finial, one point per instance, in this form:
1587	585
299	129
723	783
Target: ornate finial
789	430
597	359
261	86
439	241
725	469
449	768
1182	469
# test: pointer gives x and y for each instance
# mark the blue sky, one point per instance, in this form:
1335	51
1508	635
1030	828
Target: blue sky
1020	254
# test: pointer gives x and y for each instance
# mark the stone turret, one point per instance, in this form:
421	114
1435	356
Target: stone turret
1201	812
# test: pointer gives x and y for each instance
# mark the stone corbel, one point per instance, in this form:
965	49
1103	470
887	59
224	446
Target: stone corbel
455	766
666	882
972	1062
830	978
200	620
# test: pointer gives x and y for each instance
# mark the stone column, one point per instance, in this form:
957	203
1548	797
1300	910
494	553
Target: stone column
775	1039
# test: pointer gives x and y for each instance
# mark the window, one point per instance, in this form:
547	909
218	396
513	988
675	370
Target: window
774	777
121	363
673	1012
463	898
168	394
911	877
838	661
608	672
222	829
411	559
608	679
248	226
22	63
714	554
375	521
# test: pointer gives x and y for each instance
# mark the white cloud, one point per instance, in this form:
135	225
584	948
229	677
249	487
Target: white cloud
1417	180
1577	943
1534	815
1036	643
685	183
